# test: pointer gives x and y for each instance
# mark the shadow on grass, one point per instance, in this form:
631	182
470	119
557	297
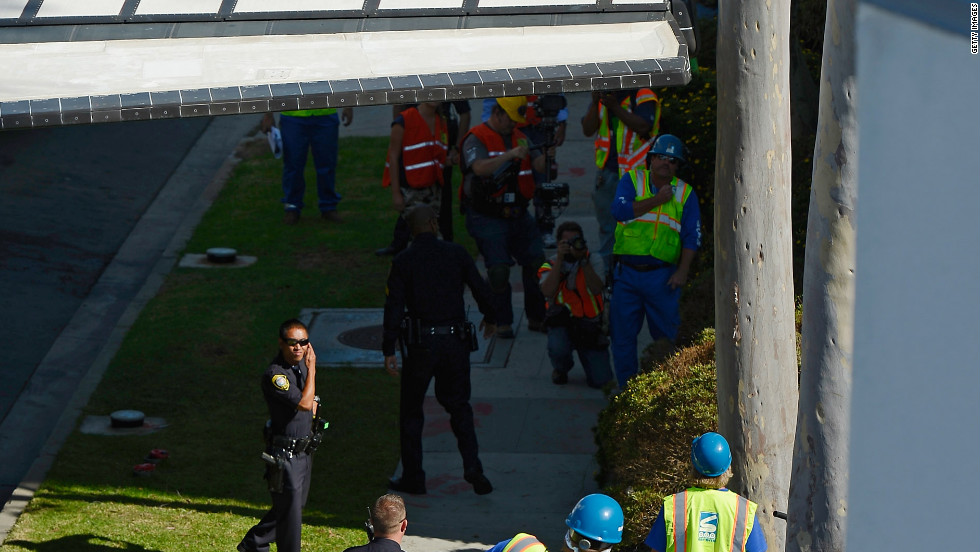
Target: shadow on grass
79	543
311	516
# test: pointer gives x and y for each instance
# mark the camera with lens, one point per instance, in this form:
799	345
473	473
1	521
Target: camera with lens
578	245
553	194
548	106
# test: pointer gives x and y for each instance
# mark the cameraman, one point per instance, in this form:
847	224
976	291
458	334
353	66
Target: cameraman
497	188
572	284
538	128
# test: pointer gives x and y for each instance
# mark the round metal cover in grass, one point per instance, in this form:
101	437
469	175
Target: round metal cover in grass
367	337
221	255
126	418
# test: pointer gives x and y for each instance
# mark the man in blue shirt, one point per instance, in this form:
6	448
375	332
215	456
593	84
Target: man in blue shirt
658	234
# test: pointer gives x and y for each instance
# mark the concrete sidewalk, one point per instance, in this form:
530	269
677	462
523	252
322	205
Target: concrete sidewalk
536	438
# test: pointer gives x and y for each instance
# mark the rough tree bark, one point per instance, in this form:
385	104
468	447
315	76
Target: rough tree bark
818	492
754	316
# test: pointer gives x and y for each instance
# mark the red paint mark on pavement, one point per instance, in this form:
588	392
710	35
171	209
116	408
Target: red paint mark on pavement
573	171
437	419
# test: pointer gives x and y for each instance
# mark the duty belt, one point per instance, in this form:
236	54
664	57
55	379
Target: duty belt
289	444
456	329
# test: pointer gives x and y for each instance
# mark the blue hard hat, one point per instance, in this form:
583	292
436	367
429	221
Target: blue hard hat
710	454
597	517
668	144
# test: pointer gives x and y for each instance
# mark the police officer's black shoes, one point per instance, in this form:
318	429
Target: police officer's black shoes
481	485
396	484
559	378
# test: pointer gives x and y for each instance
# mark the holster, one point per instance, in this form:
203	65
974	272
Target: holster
469	331
275	469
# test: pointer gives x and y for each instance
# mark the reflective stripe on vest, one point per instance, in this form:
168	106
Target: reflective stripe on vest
739	535
523	542
703	520
657	232
423	152
631	149
581	305
680	527
494	143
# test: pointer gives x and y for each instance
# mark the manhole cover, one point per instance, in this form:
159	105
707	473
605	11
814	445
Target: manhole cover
368	337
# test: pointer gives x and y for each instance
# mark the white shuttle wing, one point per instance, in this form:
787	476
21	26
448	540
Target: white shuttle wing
84	61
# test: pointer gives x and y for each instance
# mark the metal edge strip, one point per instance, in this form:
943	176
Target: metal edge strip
258	99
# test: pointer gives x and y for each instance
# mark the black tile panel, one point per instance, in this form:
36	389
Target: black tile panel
615	68
260	92
379	84
350	85
436	80
495	76
406	83
112	101
45	106
226	94
286	90
164	99
315	87
139	99
198	95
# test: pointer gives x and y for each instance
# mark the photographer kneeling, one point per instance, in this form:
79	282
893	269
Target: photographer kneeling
572	284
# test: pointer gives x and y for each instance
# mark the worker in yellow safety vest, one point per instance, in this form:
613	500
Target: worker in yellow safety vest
658	234
707	517
624	123
303	131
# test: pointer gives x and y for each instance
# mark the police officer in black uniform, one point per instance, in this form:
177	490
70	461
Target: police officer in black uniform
427	279
388	524
289	388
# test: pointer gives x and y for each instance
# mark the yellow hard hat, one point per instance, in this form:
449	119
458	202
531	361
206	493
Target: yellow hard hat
515	107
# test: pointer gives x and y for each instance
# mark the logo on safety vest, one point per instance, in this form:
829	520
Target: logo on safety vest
708	527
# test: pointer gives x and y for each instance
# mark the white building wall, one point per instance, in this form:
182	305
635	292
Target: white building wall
915	441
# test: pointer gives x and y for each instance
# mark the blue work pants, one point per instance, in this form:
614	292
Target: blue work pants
300	135
637	294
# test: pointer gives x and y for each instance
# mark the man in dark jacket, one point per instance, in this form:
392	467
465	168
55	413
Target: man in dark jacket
427	280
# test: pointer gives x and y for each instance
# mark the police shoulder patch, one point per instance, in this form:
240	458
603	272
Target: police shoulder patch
281	382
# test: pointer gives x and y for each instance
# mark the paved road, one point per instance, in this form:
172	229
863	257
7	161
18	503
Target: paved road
86	216
71	195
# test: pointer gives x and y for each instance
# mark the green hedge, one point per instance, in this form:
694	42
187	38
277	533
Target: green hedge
645	433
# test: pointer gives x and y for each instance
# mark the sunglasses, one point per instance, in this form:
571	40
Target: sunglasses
294	342
667	158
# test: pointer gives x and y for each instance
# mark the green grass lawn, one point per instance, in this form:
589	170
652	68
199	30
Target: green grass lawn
194	357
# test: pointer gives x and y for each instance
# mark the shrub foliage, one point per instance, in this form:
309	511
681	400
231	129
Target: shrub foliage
645	433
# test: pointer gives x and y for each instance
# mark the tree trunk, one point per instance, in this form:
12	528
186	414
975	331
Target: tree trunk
818	493
756	336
